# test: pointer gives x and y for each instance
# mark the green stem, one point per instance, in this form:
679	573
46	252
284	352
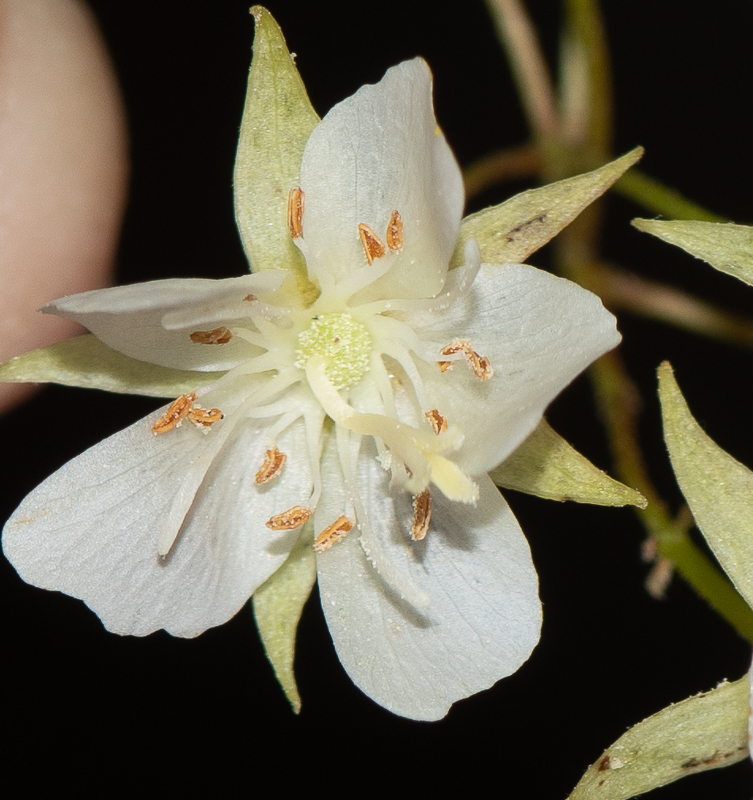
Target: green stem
660	199
617	397
504	165
621	289
521	44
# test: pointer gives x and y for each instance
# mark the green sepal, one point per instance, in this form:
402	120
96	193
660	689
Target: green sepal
716	486
707	731
85	362
510	232
278	604
277	122
545	465
727	247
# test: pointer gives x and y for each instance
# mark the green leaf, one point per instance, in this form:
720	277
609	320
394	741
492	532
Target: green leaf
727	247
511	231
547	466
718	488
277	122
278	604
84	361
703	732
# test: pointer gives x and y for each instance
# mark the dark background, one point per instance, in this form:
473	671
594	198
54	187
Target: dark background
82	706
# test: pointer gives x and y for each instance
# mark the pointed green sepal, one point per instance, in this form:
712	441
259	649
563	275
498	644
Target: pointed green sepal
703	732
277	122
717	488
85	362
510	232
278	604
727	247
545	465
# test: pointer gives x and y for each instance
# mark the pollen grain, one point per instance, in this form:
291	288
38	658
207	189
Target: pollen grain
372	244
480	365
204	418
437	421
332	533
296	200
289	520
395	232
274	461
421	515
175	414
221	335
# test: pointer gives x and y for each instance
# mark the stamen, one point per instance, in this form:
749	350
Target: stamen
421	515
458	346
204	418
290	520
480	365
395	232
295	212
221	335
437	421
249	298
332	533
174	415
372	244
274	461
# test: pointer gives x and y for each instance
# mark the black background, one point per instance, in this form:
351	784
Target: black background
81	706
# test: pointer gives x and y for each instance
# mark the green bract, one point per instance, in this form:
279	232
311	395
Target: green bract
727	247
545	465
703	732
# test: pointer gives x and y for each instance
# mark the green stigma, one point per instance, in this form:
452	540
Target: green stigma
343	342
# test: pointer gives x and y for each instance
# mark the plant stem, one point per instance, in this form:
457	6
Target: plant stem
660	199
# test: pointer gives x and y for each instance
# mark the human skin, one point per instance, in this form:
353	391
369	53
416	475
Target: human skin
63	169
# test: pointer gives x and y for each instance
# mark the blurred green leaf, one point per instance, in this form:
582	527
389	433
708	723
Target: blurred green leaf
703	732
727	247
84	361
278	604
277	122
545	465
511	231
718	489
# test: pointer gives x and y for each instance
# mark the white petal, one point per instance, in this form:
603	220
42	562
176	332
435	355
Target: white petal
129	318
483	619
91	529
377	152
538	331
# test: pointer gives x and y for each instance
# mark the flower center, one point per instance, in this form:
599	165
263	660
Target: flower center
344	344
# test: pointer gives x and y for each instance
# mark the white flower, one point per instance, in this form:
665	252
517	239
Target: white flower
376	411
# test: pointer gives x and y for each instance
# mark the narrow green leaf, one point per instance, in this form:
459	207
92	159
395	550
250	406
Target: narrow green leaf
545	465
278	604
703	732
84	361
511	231
718	488
727	247
277	122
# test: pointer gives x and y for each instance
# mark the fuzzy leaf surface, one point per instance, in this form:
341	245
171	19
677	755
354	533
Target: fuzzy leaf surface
716	486
727	247
278	605
511	231
547	466
277	122
707	731
86	362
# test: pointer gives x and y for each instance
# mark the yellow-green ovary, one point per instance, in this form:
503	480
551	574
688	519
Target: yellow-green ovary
343	342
